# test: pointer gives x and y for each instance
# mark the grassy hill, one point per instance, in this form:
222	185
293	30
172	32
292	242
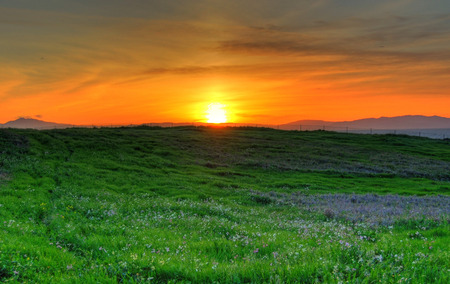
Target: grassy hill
226	205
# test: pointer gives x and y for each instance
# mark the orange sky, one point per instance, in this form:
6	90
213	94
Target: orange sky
85	62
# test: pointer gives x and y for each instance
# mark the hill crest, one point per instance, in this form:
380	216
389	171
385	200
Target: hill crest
25	123
397	122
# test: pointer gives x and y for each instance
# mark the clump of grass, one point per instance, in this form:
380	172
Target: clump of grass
329	213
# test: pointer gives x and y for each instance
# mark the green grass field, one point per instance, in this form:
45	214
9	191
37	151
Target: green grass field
222	205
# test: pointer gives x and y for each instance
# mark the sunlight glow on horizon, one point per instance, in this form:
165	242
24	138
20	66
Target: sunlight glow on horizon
216	113
266	62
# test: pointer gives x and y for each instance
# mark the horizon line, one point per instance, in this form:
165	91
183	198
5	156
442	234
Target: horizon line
223	123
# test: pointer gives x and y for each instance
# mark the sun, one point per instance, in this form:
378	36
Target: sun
216	113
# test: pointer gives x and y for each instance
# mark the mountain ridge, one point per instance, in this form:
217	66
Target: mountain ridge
396	122
32	123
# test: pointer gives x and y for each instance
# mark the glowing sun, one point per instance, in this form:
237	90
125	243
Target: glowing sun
216	113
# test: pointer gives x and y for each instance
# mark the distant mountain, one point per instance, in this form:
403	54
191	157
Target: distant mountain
398	122
33	123
385	123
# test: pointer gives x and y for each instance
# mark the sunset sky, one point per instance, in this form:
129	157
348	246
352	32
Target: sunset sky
136	61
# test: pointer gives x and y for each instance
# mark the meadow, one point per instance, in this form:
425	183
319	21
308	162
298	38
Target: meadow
222	205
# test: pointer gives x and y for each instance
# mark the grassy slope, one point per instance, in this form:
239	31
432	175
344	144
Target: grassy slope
138	203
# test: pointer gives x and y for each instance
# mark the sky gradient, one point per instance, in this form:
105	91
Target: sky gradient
136	61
